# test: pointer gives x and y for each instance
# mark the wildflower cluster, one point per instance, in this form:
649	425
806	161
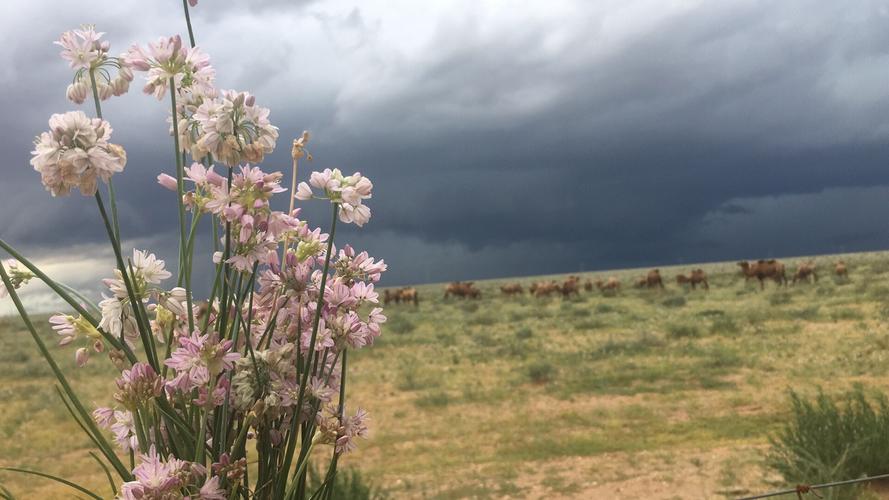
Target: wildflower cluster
87	53
166	61
348	191
17	276
261	362
75	153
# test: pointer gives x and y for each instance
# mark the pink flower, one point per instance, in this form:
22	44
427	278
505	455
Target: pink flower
303	192
202	358
81	47
87	54
211	490
166	58
138	385
168	182
75	153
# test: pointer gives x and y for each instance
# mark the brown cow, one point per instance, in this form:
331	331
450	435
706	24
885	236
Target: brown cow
512	289
611	285
391	296
641	282
763	269
803	271
588	285
653	279
840	270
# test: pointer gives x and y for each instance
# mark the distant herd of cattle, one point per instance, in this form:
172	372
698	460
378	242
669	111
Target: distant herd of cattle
760	270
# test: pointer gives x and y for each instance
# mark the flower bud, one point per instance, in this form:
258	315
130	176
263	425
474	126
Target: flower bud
119	86
77	92
105	91
126	73
168	182
81	356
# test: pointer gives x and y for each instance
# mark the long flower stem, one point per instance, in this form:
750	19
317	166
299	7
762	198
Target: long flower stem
341	410
85	416
188	22
63	294
138	307
184	256
111	195
291	446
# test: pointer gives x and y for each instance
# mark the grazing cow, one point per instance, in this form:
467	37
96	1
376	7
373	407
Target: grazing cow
588	285
653	279
409	295
763	269
641	282
570	287
611	285
803	271
512	289
840	270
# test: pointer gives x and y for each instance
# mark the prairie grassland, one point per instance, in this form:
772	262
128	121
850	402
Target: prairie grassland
654	394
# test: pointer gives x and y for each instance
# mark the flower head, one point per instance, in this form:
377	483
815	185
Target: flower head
87	53
75	153
167	59
18	276
348	191
201	357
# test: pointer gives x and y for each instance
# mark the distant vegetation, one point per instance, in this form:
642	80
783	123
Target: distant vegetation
628	393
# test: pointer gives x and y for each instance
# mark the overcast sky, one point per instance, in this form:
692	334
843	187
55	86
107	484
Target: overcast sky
503	137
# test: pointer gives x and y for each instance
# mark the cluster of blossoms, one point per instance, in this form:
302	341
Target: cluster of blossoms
347	190
166	60
156	478
264	358
244	204
225	124
75	153
118	314
17	275
88	55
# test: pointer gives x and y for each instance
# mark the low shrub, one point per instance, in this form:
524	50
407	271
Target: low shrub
676	301
348	484
832	440
400	324
780	298
540	372
524	333
682	330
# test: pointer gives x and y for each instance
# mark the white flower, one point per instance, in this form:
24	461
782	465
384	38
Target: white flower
75	153
148	267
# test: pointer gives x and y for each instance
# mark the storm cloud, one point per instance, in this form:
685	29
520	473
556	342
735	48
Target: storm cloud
505	139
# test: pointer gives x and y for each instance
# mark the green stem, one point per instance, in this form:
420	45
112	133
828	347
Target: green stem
188	22
84	415
56	287
291	445
184	257
137	306
111	196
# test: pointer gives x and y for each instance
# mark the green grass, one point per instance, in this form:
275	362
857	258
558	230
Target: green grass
524	397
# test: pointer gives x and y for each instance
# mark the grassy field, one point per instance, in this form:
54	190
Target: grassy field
647	394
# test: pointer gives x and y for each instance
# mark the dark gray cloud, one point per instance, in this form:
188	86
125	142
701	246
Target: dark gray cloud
504	140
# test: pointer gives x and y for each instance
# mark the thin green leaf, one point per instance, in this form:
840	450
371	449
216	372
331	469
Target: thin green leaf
54	478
